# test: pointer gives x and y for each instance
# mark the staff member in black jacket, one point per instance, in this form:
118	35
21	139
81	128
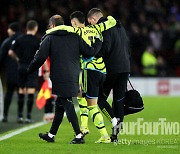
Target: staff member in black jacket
115	52
64	50
10	66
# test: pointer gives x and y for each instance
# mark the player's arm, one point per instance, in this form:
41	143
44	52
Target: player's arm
12	54
12	49
63	27
41	56
89	51
111	22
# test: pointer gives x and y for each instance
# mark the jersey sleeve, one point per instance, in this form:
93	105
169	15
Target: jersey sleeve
64	27
111	22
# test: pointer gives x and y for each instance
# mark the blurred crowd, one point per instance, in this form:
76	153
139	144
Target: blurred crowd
153	27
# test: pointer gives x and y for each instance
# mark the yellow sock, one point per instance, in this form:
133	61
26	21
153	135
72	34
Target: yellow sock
98	120
83	112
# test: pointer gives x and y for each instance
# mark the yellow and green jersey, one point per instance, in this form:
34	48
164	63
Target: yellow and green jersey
88	34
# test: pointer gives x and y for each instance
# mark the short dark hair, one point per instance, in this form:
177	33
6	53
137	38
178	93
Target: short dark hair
78	15
93	11
15	26
31	24
56	20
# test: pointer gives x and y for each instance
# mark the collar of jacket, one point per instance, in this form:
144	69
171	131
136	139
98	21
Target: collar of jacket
102	19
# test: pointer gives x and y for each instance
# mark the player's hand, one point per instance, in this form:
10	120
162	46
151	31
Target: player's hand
110	18
114	21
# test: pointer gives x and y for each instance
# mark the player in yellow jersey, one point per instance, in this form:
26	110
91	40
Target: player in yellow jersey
93	72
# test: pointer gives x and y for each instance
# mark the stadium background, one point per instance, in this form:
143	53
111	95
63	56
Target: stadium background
142	19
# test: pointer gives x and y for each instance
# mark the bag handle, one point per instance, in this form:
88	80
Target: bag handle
130	84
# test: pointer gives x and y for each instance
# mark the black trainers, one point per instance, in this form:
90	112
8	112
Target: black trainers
46	137
115	132
114	138
77	141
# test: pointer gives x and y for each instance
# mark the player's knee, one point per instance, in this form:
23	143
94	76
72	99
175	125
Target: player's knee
31	90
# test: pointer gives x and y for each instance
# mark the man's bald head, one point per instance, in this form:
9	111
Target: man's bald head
56	20
94	15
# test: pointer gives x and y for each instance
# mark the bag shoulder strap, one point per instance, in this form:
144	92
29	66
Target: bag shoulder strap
130	84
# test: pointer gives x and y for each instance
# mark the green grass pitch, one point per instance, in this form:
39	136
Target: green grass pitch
155	108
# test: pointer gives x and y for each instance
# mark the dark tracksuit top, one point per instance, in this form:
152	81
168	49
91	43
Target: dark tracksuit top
64	50
115	49
10	64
